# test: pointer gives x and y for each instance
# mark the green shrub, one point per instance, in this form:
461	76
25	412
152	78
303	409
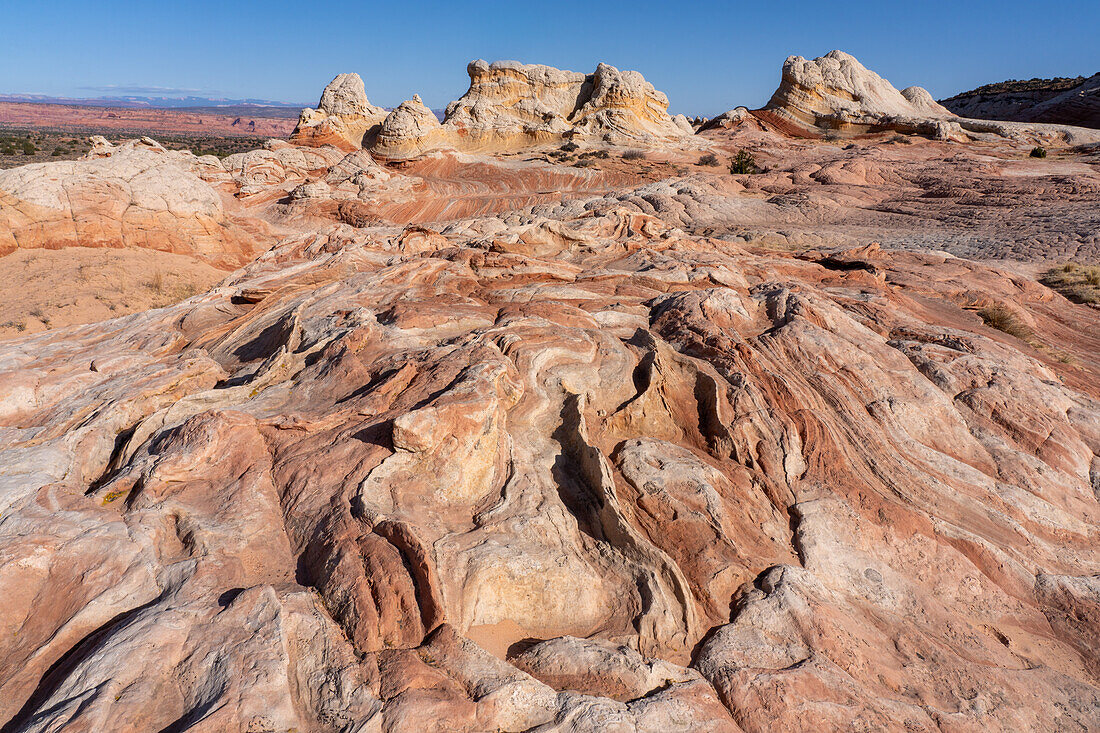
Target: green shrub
709	159
743	162
1038	152
29	148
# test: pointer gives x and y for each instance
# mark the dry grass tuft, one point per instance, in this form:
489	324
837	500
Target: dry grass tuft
1002	318
1079	283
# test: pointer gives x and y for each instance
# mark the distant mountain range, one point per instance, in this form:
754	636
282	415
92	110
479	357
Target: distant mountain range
139	102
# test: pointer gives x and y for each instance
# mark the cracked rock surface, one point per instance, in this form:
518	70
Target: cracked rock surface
587	472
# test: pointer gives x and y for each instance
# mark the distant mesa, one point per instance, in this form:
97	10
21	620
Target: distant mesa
509	105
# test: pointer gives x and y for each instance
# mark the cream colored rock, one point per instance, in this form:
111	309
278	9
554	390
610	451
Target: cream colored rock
136	194
510	105
409	131
623	106
509	102
836	91
344	116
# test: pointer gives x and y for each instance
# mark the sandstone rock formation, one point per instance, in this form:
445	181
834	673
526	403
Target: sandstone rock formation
672	482
513	103
837	91
1077	106
343	118
508	106
133	195
574	442
408	131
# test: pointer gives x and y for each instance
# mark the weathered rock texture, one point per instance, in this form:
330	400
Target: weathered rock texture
836	90
837	93
136	195
409	130
674	483
343	118
512	443
508	106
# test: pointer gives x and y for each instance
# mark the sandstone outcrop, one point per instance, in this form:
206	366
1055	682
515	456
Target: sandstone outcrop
508	106
136	195
410	130
509	103
344	117
836	93
674	483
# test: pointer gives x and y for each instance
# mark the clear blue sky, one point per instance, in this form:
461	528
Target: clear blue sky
707	56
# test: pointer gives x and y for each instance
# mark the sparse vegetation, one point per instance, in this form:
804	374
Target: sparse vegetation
1038	152
744	162
634	155
1079	283
1003	318
710	159
157	283
569	147
902	139
22	147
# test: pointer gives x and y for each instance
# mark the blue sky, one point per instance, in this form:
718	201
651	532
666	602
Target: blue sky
707	56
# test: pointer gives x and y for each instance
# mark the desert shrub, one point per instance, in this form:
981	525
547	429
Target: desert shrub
57	152
1079	283
584	163
29	148
634	155
743	162
708	159
8	150
1002	318
569	147
1038	152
